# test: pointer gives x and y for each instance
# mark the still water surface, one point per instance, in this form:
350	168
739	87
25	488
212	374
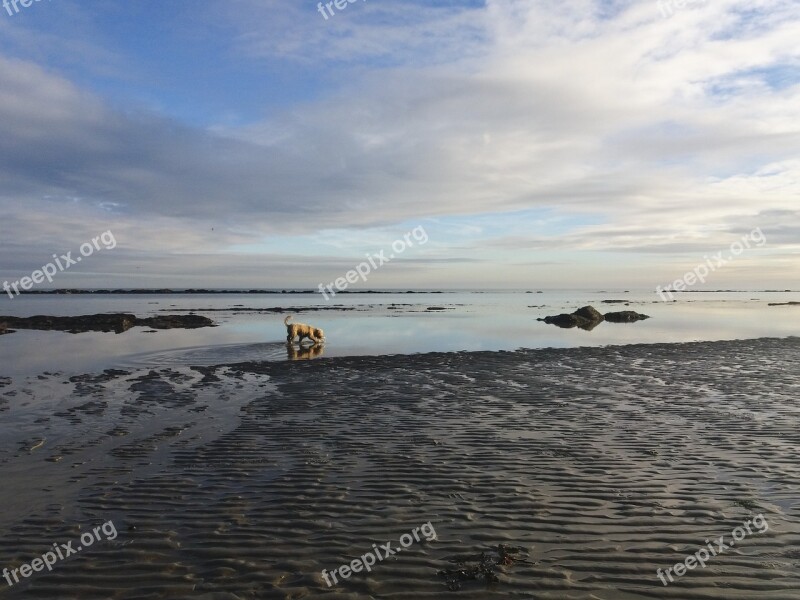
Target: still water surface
380	324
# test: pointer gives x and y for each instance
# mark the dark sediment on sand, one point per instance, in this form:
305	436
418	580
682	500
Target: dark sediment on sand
581	471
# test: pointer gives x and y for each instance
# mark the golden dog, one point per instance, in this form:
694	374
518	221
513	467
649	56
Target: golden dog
294	330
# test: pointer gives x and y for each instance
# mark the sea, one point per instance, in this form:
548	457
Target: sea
360	324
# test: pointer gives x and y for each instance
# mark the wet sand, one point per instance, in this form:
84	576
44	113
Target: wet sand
245	481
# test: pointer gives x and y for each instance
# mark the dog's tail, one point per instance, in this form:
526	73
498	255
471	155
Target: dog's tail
286	320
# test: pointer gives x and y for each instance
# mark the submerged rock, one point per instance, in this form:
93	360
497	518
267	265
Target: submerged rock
625	316
176	322
566	321
562	320
116	322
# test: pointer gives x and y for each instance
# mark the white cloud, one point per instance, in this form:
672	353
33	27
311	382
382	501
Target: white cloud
668	128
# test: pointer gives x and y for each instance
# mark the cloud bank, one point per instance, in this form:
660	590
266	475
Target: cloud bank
604	127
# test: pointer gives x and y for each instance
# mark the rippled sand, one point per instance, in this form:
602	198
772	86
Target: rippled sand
245	481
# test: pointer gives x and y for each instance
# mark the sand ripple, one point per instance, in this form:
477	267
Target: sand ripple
244	481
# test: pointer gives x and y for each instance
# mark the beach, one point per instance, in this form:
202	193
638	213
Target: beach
478	299
581	471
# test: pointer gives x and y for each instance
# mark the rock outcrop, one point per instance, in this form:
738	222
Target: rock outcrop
588	318
625	316
584	318
590	313
116	322
175	322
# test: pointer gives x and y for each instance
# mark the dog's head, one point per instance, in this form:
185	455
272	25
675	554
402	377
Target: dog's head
319	334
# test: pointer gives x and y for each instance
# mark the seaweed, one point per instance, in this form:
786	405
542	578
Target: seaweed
481	566
746	503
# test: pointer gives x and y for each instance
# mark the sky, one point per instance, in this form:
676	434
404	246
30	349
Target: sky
605	144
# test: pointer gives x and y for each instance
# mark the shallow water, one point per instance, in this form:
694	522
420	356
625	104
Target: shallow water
472	321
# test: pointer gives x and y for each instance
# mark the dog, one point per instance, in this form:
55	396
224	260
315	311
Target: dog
294	330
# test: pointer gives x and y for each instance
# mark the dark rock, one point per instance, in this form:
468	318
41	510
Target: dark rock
4	329
585	318
590	313
625	316
176	322
588	318
784	304
566	321
116	322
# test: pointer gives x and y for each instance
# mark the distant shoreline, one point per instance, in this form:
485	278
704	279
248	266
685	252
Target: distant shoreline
68	292
165	291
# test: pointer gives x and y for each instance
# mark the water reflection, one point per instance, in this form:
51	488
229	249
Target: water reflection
369	325
304	352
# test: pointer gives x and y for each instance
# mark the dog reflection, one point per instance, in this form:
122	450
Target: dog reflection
304	352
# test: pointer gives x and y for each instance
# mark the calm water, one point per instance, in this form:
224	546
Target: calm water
473	321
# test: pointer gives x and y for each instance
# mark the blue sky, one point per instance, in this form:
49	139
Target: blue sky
257	144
